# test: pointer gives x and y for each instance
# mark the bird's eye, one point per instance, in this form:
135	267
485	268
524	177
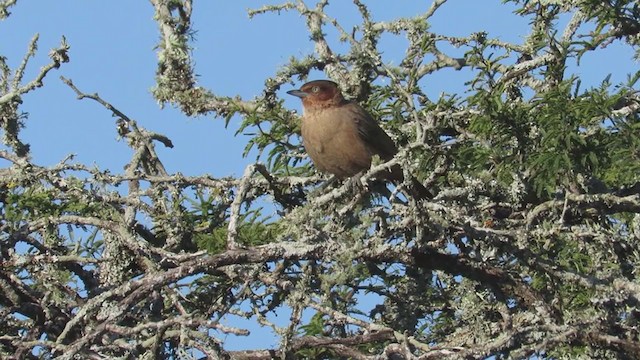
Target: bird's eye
315	89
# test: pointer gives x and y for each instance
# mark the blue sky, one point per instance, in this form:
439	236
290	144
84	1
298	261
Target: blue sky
112	53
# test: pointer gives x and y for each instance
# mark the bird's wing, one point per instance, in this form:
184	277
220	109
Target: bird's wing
372	134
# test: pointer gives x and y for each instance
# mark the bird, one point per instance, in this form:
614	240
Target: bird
341	137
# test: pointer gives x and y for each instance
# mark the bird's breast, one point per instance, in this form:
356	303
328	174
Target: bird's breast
332	140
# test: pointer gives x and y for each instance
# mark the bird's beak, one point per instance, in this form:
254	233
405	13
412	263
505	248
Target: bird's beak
298	93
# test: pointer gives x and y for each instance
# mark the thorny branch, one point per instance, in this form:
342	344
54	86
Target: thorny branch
482	269
12	89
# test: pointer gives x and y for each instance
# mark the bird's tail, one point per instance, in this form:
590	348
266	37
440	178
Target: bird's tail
415	188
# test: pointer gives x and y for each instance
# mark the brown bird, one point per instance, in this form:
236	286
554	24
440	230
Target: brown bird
341	137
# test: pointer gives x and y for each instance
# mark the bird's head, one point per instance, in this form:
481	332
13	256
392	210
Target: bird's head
319	94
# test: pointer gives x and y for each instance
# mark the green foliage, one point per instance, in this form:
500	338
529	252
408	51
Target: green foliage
253	231
563	149
207	212
557	136
571	256
274	130
36	200
315	327
210	289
